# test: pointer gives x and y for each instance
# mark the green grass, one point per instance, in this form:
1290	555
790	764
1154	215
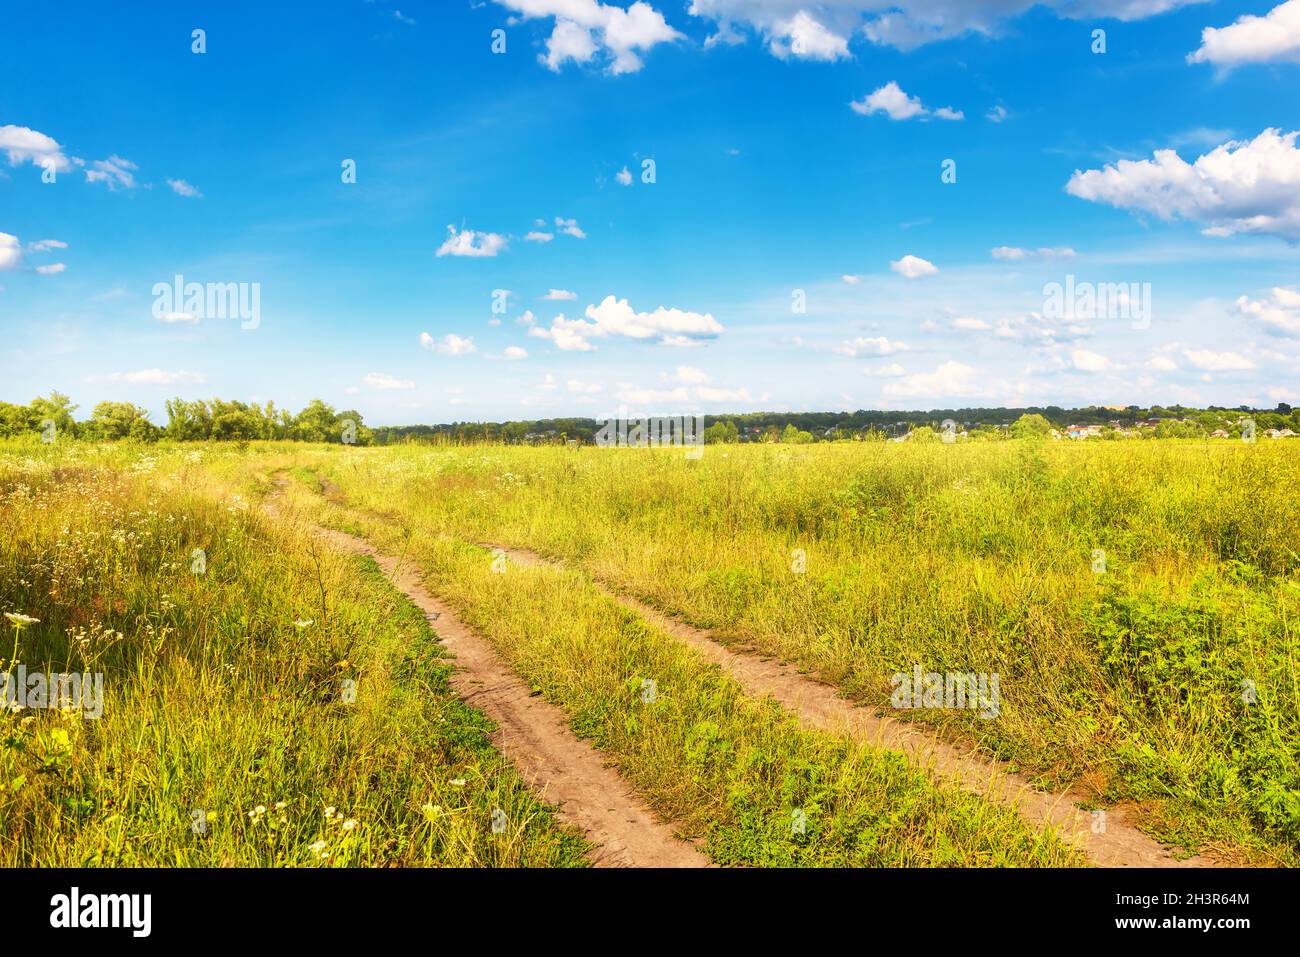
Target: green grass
215	701
971	557
719	765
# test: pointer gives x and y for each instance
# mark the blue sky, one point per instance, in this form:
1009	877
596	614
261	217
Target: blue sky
797	249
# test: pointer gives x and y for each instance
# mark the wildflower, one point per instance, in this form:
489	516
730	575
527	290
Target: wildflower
281	805
330	811
458	782
21	621
301	623
349	824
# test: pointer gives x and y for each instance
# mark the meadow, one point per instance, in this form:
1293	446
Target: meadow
1137	601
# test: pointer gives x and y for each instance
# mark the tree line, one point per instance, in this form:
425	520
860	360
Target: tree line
229	420
187	421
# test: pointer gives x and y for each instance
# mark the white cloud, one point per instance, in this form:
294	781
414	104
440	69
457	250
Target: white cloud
949	379
178	318
115	173
527	319
386	383
570	227
913	267
804	37
1161	364
624	177
997	114
1009	252
906	24
869	346
897	105
851	280
182	188
156	377
467	242
615	317
1272	38
44	245
1280	313
11	252
569	335
576	385
1217	361
891	371
25	145
51	269
585	28
537	236
514	353
969	324
399	16
687	375
1086	361
449	345
1243	186
560	295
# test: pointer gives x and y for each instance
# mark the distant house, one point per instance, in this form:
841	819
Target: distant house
1279	433
1083	431
1219	434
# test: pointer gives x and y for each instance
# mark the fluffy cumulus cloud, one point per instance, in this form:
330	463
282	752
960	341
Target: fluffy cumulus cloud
1211	361
951	378
904	24
897	105
913	267
616	318
449	345
1272	38
23	145
1243	186
803	36
587	30
684	385
869	346
467	242
11	252
1279	312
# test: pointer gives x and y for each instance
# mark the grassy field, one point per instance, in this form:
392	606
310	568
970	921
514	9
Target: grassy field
1138	602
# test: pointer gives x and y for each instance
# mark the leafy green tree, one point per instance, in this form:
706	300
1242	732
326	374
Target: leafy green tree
720	433
57	408
1031	426
117	420
16	419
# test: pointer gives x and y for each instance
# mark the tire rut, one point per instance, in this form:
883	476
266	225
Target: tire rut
819	706
534	735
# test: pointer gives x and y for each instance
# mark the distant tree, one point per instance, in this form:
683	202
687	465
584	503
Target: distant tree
721	433
117	420
1030	426
16	419
316	423
56	408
